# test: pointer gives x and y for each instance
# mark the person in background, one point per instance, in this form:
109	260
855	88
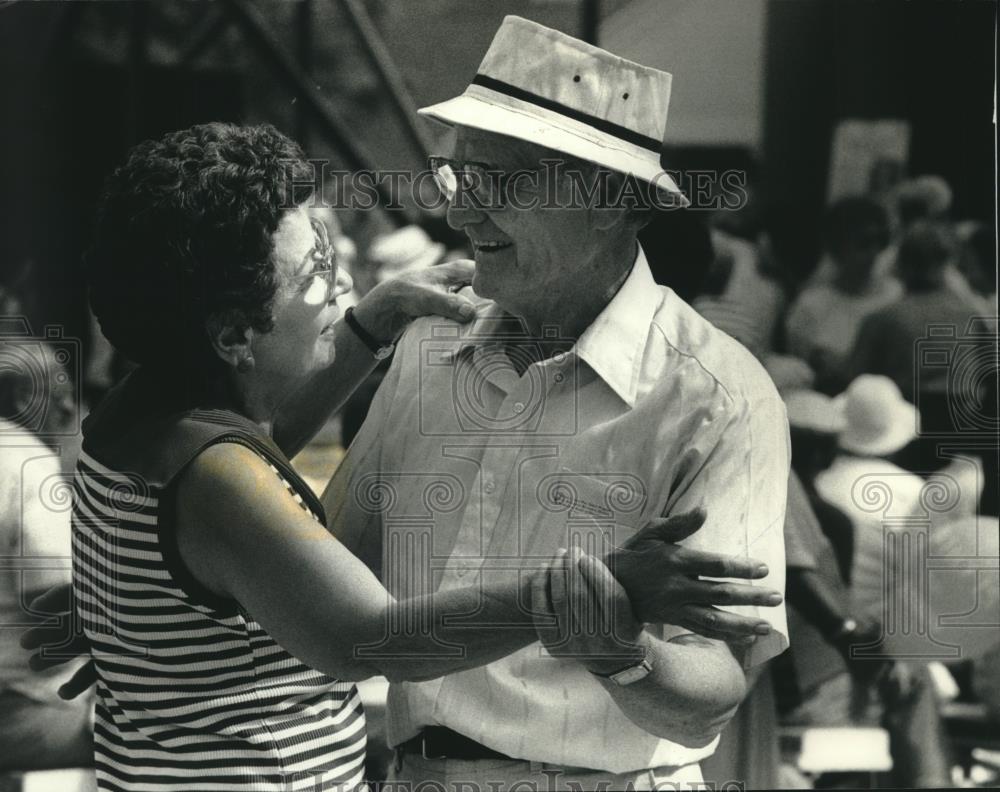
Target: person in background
823	322
922	198
820	557
906	202
741	297
38	730
879	423
986	681
389	255
820	683
401	250
737	298
977	261
927	199
931	313
887	340
678	247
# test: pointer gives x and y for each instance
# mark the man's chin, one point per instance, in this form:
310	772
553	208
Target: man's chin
484	284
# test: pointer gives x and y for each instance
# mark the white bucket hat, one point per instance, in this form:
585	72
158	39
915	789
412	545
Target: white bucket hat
808	409
545	87
402	250
879	421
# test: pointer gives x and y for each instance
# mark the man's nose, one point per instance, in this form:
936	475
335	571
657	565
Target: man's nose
462	212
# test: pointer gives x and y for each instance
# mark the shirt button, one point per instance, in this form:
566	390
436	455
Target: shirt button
489	487
519	407
558	377
559	357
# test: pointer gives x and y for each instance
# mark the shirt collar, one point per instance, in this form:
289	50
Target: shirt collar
612	345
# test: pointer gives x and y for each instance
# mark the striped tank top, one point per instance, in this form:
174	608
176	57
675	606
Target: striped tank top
192	694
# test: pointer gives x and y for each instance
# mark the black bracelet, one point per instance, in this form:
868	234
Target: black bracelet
377	348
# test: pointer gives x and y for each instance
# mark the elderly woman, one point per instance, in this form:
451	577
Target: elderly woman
225	622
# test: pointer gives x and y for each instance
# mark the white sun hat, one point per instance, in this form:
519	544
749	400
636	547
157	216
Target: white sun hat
545	87
809	409
402	250
879	421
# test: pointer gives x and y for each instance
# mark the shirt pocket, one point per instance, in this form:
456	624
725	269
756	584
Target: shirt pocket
594	511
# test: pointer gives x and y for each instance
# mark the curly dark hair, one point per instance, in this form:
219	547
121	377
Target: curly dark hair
184	233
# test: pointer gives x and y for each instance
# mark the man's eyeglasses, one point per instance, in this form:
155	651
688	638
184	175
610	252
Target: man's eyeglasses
484	186
325	275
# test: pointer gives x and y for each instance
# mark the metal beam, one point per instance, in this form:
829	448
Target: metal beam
257	32
138	57
303	46
210	28
382	60
590	20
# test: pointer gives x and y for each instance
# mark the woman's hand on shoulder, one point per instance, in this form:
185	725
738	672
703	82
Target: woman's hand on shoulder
388	308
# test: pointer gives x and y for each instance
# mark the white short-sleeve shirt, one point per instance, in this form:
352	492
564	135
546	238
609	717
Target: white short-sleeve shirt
463	468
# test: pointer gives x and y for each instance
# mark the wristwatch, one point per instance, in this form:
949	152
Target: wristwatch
378	349
631	674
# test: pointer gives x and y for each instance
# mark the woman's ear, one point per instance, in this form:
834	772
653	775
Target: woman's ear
232	340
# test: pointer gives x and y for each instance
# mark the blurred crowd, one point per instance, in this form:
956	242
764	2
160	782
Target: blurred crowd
885	355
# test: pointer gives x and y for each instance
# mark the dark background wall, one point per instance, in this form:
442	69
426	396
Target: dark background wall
931	63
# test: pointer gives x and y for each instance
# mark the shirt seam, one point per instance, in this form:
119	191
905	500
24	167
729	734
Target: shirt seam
732	399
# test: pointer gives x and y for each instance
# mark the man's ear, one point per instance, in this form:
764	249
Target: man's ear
231	338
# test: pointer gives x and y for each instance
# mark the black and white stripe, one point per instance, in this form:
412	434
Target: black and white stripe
193	695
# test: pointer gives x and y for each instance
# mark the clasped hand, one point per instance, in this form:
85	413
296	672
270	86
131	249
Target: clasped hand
593	609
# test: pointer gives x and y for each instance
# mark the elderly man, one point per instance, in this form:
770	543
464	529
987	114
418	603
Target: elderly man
582	389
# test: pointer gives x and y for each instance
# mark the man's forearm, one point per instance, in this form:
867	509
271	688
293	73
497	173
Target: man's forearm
693	690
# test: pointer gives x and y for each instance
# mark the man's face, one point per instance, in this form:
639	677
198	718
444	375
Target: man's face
856	256
525	257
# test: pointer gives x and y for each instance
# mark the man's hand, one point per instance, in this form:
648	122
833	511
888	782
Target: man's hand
61	644
581	611
388	308
662	580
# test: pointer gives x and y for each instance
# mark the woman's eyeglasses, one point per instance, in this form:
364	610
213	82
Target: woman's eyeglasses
325	273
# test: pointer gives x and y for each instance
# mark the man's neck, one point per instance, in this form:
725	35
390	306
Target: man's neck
557	326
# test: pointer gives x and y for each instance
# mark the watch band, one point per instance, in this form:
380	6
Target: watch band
378	349
632	673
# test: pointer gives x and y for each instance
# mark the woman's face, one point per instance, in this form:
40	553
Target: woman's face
305	306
